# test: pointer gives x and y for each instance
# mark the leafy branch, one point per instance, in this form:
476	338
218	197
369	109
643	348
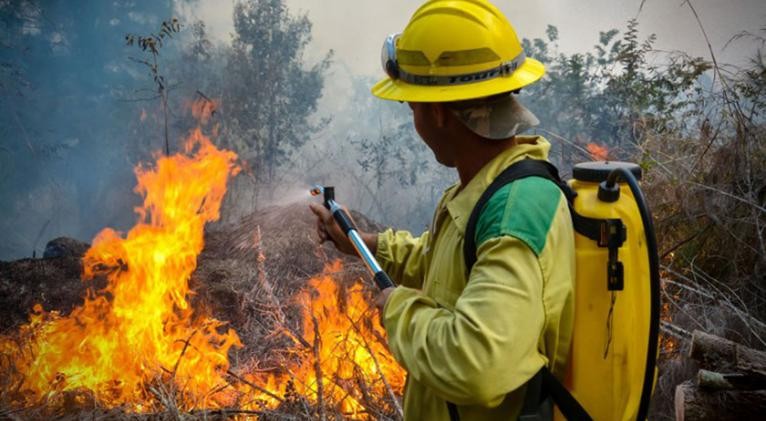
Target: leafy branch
151	44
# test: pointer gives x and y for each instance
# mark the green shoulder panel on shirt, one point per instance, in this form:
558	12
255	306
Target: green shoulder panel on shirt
523	209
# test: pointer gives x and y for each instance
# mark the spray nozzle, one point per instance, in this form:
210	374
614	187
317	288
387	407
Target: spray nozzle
317	190
327	191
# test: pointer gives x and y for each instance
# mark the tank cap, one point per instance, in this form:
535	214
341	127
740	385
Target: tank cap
598	171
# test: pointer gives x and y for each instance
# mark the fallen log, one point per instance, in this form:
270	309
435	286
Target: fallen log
722	355
698	404
711	380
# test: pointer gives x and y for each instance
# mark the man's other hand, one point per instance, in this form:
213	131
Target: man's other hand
380	301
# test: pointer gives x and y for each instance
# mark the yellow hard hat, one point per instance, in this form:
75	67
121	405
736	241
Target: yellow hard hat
453	50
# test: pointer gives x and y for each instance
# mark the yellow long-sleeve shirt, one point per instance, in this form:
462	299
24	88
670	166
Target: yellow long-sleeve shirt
475	342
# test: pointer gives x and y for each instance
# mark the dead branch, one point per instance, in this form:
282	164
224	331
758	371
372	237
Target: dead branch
729	195
203	96
183	351
675	331
383	378
254	386
754	326
225	413
367	394
167	400
263	282
318	368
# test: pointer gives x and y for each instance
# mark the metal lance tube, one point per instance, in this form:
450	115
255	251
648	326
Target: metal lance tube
382	280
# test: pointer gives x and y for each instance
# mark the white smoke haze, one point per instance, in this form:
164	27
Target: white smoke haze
60	174
355	30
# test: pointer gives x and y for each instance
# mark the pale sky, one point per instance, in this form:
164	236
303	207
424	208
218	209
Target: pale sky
355	29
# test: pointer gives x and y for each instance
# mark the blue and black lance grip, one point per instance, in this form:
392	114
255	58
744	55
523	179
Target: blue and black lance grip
382	280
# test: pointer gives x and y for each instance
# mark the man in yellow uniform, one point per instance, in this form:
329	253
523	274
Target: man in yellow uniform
471	341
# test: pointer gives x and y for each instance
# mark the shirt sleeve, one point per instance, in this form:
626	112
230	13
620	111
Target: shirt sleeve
485	347
401	256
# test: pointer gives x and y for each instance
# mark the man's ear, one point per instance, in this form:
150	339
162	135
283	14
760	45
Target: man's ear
440	114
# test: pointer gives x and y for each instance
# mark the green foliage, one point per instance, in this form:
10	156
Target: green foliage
269	92
750	83
613	93
393	156
152	44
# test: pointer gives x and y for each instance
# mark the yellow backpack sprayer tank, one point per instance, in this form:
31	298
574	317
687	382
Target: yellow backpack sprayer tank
614	345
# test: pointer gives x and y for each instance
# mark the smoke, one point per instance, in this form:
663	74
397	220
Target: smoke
356	32
70	125
80	113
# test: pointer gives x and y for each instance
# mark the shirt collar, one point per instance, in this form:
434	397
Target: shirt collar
461	204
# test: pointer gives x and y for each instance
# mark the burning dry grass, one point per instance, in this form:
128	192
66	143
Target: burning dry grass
334	367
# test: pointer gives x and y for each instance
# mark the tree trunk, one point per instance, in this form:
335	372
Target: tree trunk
697	404
719	354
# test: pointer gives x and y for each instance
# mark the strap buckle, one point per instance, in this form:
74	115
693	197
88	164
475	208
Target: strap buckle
613	234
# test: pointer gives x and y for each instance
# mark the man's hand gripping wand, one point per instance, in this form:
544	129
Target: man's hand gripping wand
382	280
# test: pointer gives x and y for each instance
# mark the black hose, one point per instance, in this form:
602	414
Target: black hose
654	271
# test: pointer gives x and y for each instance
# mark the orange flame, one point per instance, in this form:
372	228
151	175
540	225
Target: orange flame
140	327
598	153
352	344
343	342
204	108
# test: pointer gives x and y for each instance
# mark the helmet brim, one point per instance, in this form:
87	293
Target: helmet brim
397	90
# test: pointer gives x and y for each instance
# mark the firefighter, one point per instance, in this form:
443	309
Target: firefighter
470	342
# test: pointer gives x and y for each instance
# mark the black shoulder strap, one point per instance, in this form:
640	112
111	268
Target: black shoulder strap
540	387
522	169
567	404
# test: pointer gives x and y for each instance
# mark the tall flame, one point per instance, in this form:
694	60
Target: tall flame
140	327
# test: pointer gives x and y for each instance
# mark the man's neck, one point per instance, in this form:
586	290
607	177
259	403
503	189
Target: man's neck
476	154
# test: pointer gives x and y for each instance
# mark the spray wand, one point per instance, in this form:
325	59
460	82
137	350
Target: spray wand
382	280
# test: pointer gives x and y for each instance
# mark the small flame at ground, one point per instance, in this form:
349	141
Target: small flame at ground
598	153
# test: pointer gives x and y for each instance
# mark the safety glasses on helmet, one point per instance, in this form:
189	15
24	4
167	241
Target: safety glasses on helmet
388	56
